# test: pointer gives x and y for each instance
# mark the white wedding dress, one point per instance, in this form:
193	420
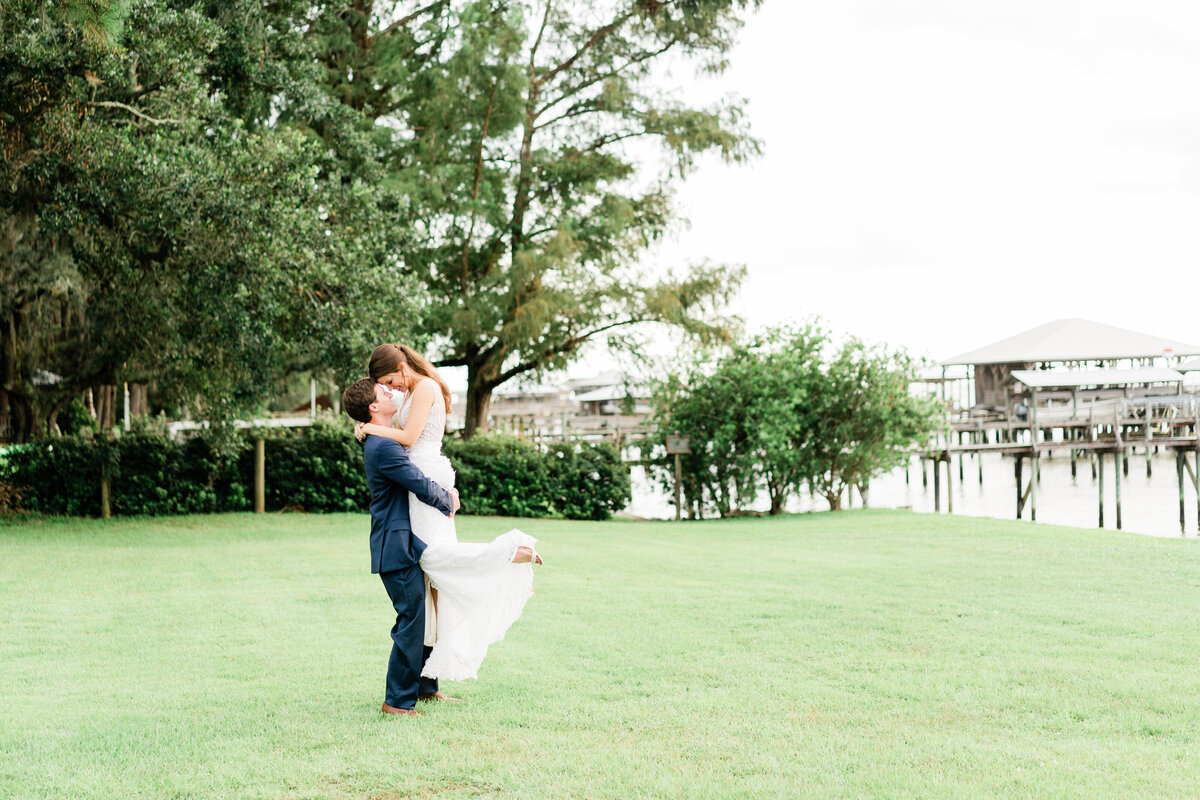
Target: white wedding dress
480	592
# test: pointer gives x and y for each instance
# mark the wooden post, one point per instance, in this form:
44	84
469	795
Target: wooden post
678	484
1020	495
1122	467
1100	465
1091	436
1196	476
260	476
1034	472
1035	476
1074	453
937	485
1179	456
1117	486
1149	412
950	483
105	494
924	475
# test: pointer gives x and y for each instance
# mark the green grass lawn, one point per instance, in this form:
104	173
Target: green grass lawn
861	654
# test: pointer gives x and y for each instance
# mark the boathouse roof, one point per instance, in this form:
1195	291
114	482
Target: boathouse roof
1073	340
1074	379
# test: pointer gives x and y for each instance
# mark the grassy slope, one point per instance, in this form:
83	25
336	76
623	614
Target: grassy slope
864	654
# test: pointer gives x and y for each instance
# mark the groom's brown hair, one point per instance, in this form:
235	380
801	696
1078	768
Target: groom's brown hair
357	399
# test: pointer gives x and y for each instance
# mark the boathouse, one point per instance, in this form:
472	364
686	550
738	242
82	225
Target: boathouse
1074	344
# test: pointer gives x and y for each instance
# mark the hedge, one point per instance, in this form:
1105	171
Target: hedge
315	469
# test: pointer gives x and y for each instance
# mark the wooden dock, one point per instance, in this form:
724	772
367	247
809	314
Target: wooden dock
1100	430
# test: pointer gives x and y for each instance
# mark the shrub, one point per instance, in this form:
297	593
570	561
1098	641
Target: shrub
588	480
59	477
314	469
501	475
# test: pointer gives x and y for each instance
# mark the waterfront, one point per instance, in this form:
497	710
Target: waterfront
1148	505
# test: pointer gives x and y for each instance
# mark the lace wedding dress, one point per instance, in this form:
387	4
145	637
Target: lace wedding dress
480	592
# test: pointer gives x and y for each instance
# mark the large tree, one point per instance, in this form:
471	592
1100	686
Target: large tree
153	228
513	128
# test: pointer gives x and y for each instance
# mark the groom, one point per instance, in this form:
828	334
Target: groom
395	551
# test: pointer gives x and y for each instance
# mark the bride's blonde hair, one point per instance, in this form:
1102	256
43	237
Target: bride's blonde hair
387	358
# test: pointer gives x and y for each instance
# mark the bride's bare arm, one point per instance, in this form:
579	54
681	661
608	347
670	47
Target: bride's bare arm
422	403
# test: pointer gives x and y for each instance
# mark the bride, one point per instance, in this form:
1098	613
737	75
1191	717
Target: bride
473	591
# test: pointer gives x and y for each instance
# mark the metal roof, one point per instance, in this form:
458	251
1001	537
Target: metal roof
1073	340
615	392
1073	379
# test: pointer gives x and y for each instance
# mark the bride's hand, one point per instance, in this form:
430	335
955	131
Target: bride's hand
359	433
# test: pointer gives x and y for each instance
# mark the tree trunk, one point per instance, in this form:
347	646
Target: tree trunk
481	377
835	500
22	420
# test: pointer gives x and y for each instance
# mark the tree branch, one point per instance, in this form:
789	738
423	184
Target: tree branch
646	56
400	23
565	347
132	110
588	45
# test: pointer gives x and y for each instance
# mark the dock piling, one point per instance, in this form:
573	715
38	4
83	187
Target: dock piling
937	485
1017	473
1179	457
950	484
1117	485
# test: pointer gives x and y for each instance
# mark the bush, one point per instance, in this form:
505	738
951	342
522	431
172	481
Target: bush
314	469
501	475
506	476
59	477
588	480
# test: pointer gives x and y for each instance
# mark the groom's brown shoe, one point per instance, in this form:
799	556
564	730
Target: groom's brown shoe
407	712
439	696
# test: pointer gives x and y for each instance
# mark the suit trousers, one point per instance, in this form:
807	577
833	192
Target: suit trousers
406	588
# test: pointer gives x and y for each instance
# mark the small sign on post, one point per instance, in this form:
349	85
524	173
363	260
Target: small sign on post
678	446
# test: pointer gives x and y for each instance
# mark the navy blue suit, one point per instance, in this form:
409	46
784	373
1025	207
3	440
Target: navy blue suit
395	556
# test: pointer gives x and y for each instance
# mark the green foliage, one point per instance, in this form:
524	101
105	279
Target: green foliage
589	481
74	418
505	476
319	469
501	476
784	410
59	477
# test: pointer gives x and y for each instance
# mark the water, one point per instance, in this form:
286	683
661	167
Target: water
1148	505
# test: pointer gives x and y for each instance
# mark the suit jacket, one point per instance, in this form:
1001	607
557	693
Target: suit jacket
390	477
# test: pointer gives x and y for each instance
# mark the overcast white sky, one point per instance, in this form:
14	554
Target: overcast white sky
940	174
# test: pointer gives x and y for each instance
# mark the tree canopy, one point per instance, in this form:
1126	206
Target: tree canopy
154	231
